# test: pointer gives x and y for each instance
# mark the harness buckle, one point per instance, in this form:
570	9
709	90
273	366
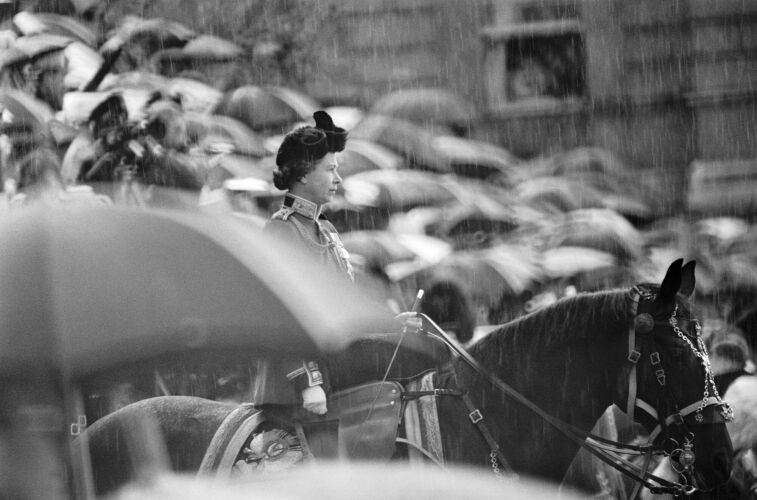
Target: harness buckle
660	374
677	419
655	358
634	356
726	411
475	416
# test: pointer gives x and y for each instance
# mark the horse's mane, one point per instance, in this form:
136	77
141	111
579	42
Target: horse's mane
572	319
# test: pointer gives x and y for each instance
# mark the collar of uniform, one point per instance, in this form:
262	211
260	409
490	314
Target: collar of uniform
304	207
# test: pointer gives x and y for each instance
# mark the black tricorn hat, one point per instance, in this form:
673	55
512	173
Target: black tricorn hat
312	143
335	136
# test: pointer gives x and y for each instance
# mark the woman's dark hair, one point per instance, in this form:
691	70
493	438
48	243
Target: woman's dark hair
298	153
304	146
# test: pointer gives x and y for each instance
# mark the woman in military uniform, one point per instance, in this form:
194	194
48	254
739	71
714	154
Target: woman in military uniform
307	170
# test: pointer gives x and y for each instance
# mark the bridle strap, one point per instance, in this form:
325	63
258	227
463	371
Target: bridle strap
633	355
644	469
680	415
475	416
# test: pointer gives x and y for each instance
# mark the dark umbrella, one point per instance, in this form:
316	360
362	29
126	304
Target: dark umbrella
91	288
411	141
433	107
261	109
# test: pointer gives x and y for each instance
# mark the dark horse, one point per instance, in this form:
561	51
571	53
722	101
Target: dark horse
570	359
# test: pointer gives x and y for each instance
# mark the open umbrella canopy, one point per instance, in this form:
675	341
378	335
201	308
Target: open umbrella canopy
397	190
628	192
33	23
599	229
212	131
23	118
738	272
479	159
270	109
430	107
155	33
93	288
488	274
349	480
361	156
78	106
558	194
17	106
194	95
409	140
383	248
203	47
134	80
566	261
32	46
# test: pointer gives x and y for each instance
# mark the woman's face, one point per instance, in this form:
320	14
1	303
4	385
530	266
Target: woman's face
321	183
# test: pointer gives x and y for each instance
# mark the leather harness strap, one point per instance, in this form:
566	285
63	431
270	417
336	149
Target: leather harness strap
474	415
633	355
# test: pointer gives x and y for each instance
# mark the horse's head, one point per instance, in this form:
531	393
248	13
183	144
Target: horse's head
671	390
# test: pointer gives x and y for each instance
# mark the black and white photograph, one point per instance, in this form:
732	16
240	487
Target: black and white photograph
378	249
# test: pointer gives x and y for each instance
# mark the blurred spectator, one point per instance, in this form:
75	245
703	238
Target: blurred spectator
730	358
153	152
448	303
50	72
39	181
108	126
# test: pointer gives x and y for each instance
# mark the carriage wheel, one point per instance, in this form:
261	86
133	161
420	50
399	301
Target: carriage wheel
246	443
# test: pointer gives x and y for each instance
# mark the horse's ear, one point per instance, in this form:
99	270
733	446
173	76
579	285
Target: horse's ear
688	280
671	283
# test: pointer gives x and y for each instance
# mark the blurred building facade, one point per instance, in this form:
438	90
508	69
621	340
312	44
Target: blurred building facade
660	83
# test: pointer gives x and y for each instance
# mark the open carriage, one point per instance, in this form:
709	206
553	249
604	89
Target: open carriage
520	400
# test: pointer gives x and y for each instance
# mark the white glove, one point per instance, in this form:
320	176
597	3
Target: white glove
314	400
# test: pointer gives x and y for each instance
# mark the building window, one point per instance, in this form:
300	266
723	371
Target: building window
545	66
540	63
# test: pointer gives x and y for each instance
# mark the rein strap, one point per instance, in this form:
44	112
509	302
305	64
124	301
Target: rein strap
633	355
